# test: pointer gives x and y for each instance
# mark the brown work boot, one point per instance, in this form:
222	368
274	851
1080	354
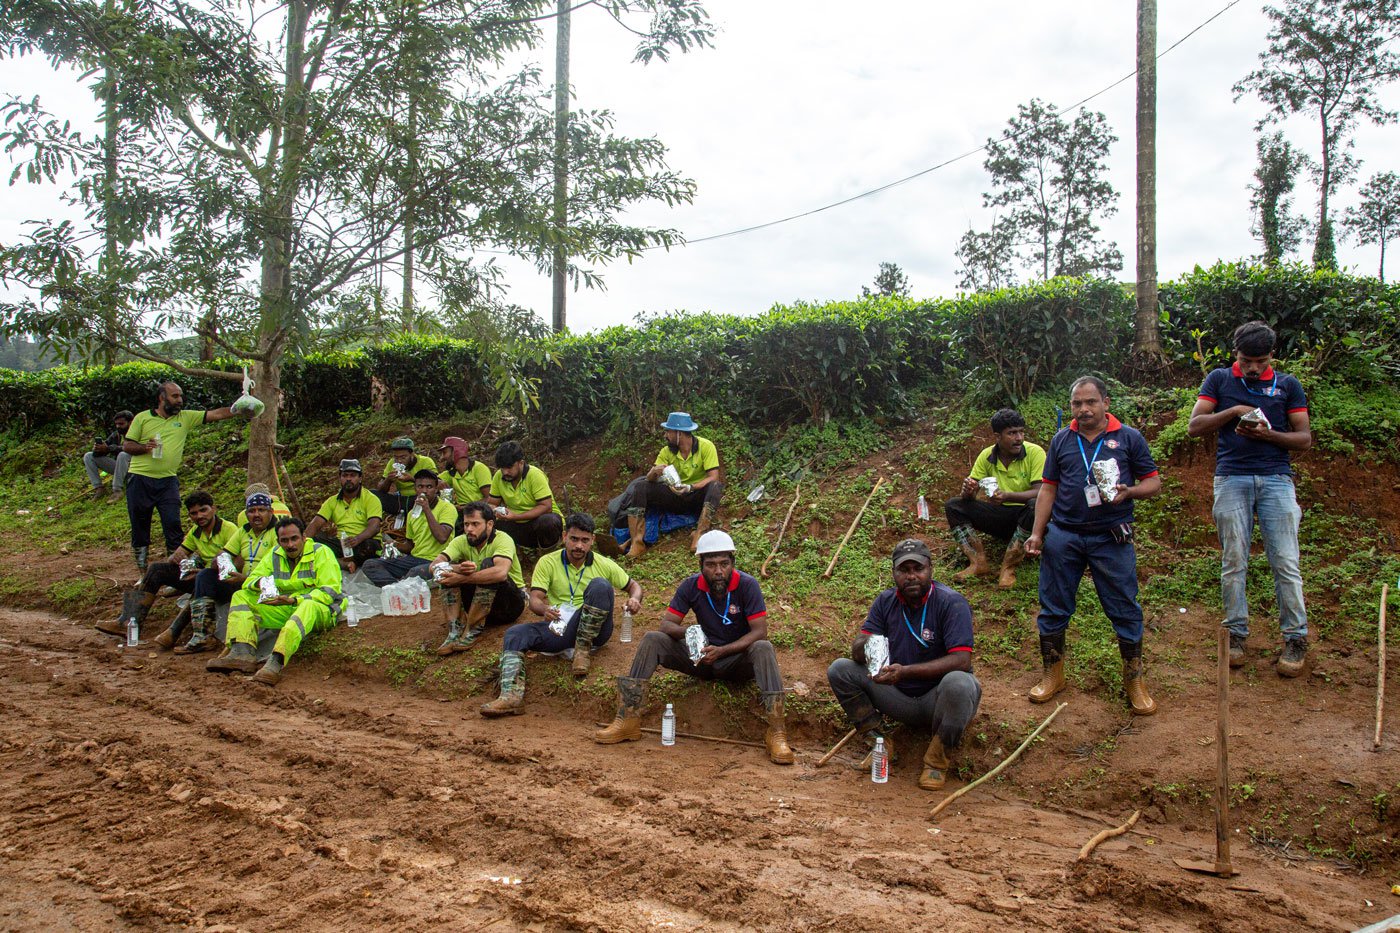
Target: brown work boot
779	752
1052	656
636	536
978	567
133	604
1133	683
271	672
936	765
704	524
511	702
238	657
627	724
1237	650
1015	553
590	623
1294	658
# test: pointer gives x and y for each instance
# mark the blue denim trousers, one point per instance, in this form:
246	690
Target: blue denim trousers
1062	562
1238	501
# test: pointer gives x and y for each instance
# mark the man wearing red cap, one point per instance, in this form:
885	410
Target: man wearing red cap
467	477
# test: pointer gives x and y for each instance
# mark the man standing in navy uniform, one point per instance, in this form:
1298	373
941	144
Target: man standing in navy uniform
927	681
1254	477
1082	524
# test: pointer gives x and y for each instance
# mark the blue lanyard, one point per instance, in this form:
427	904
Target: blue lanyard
254	545
1088	471
565	561
923	616
1269	392
724	617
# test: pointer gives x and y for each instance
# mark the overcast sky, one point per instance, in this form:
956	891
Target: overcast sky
803	104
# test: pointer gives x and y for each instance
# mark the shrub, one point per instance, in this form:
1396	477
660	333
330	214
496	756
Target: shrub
430	375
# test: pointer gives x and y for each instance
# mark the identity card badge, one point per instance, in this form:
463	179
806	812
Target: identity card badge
1093	496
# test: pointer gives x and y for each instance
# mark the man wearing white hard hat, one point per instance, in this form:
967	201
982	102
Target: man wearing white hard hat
684	480
728	642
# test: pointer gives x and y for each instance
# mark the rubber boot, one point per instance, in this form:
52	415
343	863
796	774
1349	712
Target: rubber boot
461	635
167	638
590	623
202	621
627	724
704	524
511	702
971	545
1052	656
134	603
636	533
1015	553
239	657
142	555
936	765
454	632
779	752
271	673
1133	684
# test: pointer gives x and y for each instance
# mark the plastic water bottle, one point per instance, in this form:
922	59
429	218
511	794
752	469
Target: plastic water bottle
923	508
668	726
879	763
757	492
626	636
133	632
159	452
345	549
352	615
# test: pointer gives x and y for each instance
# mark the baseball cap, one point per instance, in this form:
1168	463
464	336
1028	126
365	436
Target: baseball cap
349	465
402	443
911	549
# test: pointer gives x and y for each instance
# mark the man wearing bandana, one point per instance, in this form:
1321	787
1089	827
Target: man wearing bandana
1254	481
927	681
730	612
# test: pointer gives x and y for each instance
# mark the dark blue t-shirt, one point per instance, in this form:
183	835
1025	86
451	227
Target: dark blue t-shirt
744	602
1066	471
942	625
1277	395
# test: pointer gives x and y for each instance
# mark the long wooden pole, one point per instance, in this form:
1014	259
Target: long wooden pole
707	738
1222	755
854	522
1380	668
998	769
797	494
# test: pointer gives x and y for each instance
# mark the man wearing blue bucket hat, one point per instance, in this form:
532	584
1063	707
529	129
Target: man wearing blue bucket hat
684	481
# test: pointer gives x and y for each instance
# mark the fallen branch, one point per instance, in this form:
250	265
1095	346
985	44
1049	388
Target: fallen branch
1380	669
999	768
797	494
1106	834
703	738
836	748
854	522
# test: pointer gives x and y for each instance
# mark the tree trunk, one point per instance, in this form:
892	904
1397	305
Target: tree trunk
109	207
262	432
561	166
1147	341
1325	247
1381	274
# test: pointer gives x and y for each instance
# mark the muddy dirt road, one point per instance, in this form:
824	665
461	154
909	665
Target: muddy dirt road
141	792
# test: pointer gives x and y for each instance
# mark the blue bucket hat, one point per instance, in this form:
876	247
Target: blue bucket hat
680	421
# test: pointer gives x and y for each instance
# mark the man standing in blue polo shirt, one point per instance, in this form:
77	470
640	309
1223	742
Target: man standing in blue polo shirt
1254	477
927	681
730	612
1090	523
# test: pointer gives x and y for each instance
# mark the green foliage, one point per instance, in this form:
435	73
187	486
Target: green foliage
430	376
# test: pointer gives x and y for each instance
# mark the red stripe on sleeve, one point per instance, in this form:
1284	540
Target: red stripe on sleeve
758	615
1208	398
1150	475
672	611
1050	482
967	648
1292	410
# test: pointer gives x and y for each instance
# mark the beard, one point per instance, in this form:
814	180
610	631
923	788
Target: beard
673	448
718	587
347	488
478	542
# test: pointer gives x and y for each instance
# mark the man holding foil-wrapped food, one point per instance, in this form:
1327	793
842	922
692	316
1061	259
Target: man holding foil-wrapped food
728	642
479	572
1008	474
912	663
1094	470
1259	417
684	480
349	521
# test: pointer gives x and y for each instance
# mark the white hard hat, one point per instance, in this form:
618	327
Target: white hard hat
714	542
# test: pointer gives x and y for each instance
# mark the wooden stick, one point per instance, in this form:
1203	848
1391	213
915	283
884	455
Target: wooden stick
707	738
1222	755
1380	669
291	499
836	748
1106	834
855	521
797	494
998	769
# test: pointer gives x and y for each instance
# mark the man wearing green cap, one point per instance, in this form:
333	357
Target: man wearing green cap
395	489
691	485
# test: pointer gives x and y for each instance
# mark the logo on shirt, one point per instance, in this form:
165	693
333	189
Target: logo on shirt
1111	444
928	634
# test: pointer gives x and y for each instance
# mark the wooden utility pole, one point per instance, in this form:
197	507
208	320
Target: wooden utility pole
561	165
1147	341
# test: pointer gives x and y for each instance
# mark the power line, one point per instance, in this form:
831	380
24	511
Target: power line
957	158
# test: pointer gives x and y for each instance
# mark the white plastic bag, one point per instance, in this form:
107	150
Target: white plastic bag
247	404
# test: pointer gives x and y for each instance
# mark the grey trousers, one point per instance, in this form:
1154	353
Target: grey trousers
946	709
94	465
757	663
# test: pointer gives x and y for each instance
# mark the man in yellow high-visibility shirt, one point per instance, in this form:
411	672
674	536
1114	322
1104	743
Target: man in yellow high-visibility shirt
395	489
524	503
156	442
306	578
693	489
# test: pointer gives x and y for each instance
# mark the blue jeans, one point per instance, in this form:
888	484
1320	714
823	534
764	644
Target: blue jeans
1238	501
1062	563
536	636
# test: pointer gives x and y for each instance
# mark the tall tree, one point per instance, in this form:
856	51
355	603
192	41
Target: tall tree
1147	340
890	280
1049	176
1270	204
1327	58
987	258
561	166
270	137
1377	218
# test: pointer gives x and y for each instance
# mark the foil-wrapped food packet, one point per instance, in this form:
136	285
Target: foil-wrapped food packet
566	612
440	571
877	653
989	486
268	588
695	642
1106	478
188	566
1257	416
225	564
670	475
